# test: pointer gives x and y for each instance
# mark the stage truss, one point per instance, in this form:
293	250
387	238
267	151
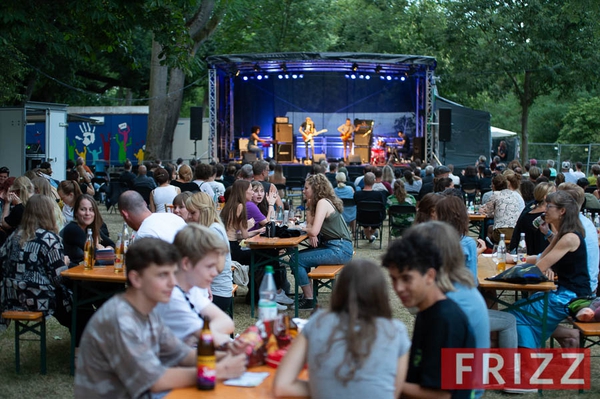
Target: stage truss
224	68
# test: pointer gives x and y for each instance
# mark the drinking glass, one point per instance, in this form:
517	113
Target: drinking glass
495	254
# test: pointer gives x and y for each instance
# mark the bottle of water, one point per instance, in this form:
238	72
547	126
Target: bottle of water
522	250
501	254
267	307
280	215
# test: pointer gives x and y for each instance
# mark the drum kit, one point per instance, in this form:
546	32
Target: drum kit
379	152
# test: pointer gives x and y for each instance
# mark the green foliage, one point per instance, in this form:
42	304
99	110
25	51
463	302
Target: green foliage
582	122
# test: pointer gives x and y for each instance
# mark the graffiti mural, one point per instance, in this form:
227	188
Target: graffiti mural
120	137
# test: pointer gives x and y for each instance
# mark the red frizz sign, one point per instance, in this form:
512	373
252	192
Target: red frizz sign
515	368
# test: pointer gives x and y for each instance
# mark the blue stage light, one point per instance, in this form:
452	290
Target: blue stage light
382	77
347	76
402	78
280	76
301	76
388	78
368	77
245	78
294	76
259	77
353	76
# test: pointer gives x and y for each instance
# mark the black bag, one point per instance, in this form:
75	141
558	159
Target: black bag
521	274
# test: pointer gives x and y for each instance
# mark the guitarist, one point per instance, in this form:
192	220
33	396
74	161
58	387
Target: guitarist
307	129
346	131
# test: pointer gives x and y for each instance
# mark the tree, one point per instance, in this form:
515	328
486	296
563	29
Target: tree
582	123
530	48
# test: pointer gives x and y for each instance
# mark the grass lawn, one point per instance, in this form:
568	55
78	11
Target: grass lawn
59	384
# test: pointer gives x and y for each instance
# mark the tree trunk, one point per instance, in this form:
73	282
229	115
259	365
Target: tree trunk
157	115
526	102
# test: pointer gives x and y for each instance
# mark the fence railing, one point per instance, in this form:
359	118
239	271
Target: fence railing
587	154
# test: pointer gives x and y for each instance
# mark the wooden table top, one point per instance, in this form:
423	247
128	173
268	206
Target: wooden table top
477	217
259	242
486	267
221	391
99	273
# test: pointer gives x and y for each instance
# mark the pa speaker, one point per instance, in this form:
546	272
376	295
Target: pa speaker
354	159
364	153
282	132
284	152
419	148
445	119
196	114
249	156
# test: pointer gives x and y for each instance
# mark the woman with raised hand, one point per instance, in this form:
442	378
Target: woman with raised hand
354	349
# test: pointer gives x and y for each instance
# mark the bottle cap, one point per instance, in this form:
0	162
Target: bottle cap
269	269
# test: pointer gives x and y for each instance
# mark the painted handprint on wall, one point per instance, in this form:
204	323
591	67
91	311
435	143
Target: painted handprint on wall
88	134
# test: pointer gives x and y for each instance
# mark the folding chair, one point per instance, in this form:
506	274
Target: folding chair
401	217
369	214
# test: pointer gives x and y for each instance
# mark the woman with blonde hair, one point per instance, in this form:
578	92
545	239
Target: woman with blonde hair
184	179
32	260
328	233
343	192
201	209
42	186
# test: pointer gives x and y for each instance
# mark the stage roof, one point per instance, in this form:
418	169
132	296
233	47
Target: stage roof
321	62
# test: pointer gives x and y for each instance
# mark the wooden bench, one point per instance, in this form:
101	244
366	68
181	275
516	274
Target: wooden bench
586	333
22	320
324	276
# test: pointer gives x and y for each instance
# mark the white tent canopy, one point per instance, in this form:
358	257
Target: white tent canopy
497	132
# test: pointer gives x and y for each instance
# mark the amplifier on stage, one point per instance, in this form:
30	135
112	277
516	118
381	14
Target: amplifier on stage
282	119
284	152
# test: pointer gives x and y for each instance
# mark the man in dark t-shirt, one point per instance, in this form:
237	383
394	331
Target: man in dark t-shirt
413	264
368	194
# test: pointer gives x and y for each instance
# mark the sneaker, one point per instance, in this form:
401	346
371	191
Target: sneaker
306	304
281	307
376	233
372	239
280	297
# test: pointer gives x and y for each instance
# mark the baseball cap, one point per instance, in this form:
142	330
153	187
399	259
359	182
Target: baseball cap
440	170
566	165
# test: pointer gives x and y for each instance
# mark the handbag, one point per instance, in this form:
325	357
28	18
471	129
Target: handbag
521	274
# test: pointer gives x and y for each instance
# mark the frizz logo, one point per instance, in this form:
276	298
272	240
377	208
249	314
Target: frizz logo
515	368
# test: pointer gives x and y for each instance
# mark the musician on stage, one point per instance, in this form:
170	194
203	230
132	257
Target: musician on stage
346	131
254	140
403	149
307	129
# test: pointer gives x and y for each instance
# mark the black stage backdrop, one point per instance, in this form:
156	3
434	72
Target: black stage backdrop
328	98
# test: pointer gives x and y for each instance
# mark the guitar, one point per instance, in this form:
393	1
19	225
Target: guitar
309	136
346	136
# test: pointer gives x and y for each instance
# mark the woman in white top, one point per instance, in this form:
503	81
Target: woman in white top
201	209
164	193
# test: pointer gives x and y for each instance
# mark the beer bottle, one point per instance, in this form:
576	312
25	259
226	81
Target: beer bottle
501	254
89	252
124	243
119	254
207	363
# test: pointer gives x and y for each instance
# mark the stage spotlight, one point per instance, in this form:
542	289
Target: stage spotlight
301	76
287	76
361	76
294	76
280	76
347	76
245	78
388	78
259	77
367	77
266	76
353	76
403	78
378	69
354	67
256	67
382	77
